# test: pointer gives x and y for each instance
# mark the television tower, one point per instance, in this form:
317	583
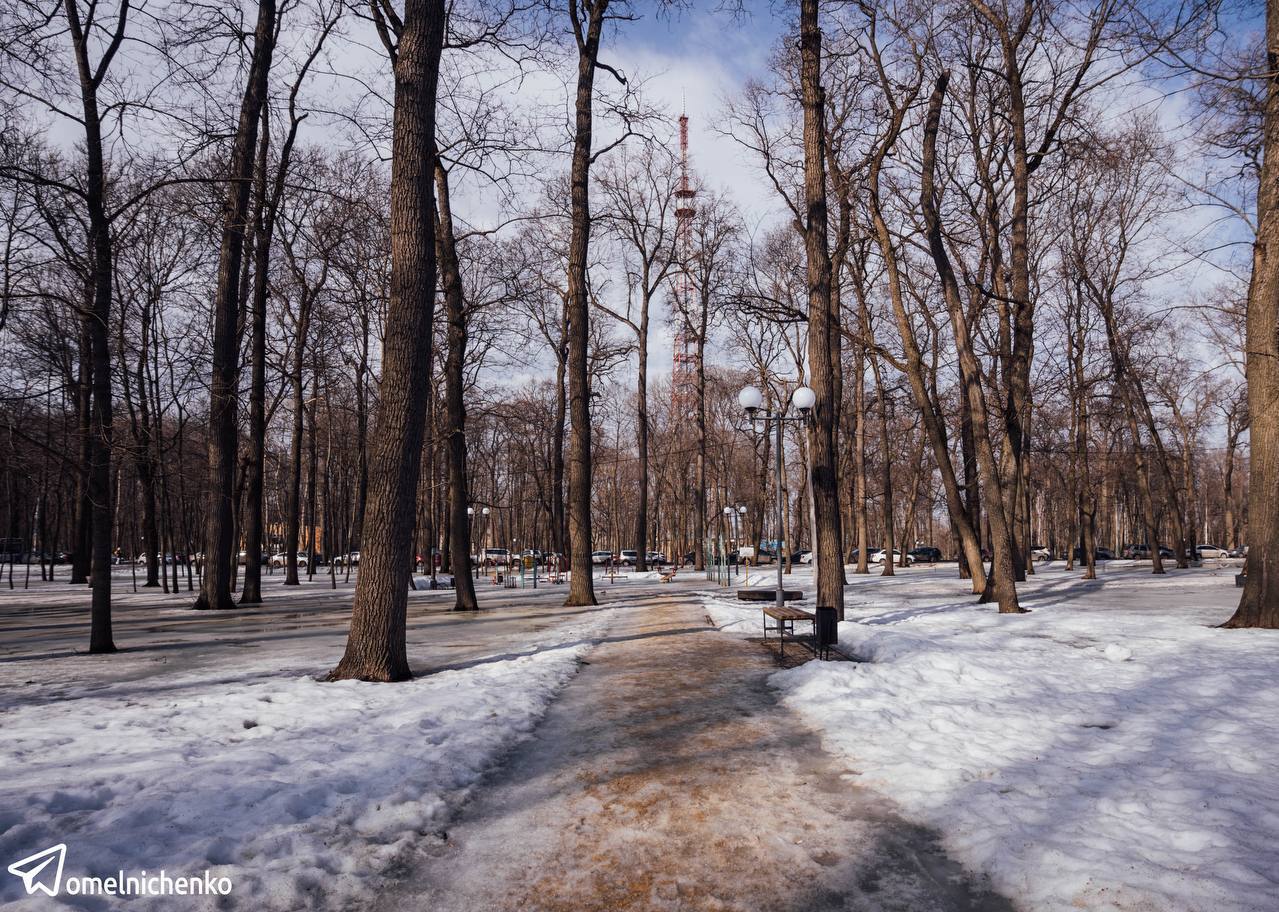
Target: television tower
684	368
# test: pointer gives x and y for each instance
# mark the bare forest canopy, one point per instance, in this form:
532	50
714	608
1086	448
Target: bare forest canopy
295	277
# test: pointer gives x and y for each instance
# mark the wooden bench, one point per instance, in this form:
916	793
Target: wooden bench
786	616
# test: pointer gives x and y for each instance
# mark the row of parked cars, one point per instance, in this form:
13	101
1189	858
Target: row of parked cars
1199	552
1142	552
628	557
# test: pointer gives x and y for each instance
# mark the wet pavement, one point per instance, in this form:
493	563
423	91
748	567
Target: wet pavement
666	776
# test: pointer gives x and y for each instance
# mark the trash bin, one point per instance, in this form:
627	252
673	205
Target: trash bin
827	631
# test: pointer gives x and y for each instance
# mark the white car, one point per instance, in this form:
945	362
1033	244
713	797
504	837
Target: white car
806	556
877	557
281	559
601	557
1041	554
1210	552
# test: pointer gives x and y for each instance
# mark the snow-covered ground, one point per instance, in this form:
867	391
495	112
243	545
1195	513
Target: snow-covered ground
1111	750
210	743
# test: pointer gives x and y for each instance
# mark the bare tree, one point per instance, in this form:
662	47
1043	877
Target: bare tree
219	543
1003	580
376	649
639	196
1259	604
824	361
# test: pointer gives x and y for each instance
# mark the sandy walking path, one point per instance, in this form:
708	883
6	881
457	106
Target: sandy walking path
666	776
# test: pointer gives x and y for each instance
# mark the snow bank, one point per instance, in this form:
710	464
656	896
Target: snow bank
302	793
1110	750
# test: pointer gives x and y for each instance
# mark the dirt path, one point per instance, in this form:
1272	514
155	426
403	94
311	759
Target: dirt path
667	777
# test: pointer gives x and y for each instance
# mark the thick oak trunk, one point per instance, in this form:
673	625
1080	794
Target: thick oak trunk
1259	605
823	348
375	647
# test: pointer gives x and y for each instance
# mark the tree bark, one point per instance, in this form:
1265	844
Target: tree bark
582	587
215	587
823	349
96	321
459	531
376	648
1259	604
1003	583
641	437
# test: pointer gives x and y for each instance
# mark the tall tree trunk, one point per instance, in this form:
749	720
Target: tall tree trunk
1003	585
293	499
1259	604
97	320
312	546
81	555
886	469
1228	485
699	490
255	458
559	518
641	440
459	525
266	209
215	587
582	587
972	492
930	412
823	362
376	648
859	453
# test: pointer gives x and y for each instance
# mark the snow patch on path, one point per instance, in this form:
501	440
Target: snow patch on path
303	793
1109	751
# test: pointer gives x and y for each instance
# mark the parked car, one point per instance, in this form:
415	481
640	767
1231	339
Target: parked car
1040	553
627	557
877	557
601	557
1142	552
353	559
243	558
656	558
281	559
803	556
1098	554
496	557
1210	552
924	555
1240	551
165	558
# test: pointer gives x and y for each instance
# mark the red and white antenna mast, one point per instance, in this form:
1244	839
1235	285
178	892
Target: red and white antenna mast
684	368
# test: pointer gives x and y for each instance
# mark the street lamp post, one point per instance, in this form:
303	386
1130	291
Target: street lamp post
487	543
474	569
752	401
734	515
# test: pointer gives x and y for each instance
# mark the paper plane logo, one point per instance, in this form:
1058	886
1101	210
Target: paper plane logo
41	872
